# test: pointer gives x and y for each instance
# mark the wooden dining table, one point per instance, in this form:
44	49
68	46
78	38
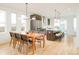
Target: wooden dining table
34	36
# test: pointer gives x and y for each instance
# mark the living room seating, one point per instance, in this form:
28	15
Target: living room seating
54	35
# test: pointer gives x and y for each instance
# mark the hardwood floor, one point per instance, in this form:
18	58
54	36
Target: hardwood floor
65	47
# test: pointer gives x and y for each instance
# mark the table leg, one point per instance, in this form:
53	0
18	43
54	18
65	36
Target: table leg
43	42
33	45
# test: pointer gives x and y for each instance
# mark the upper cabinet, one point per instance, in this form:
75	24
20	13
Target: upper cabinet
36	16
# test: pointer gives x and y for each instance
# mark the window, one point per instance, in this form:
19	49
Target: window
13	22
23	23
56	23
2	21
75	20
63	25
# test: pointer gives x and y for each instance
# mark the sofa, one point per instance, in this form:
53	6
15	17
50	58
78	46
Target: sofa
54	35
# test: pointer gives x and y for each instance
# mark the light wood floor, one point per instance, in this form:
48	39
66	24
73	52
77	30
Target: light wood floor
65	47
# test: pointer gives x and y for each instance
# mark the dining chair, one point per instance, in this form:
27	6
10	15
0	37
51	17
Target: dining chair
19	41
41	39
26	41
13	40
12	35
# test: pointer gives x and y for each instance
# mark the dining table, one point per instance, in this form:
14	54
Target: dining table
34	36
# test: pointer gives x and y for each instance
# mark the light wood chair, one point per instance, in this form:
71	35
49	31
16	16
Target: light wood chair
41	39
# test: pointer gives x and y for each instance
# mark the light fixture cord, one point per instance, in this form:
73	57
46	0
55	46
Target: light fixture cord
26	8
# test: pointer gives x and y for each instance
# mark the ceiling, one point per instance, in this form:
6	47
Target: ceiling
45	9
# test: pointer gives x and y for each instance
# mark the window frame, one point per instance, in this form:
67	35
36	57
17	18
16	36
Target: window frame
4	23
13	25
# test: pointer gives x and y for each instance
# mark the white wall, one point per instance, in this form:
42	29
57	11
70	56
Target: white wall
70	25
45	22
4	36
28	25
77	33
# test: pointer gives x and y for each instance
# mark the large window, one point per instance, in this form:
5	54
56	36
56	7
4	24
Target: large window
57	24
13	22
2	21
60	24
63	25
75	20
23	23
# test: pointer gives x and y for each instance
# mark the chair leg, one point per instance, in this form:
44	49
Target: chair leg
20	45
43	42
14	43
40	43
11	41
33	47
27	50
